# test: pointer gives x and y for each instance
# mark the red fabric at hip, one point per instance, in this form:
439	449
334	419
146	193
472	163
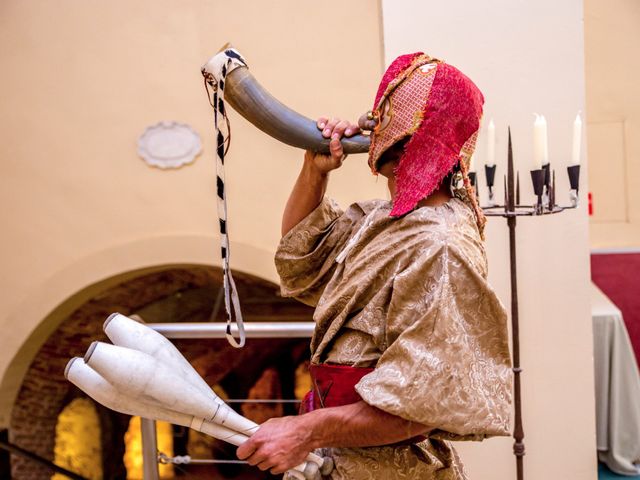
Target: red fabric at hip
332	386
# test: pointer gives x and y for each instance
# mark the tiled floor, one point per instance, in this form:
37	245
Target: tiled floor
605	474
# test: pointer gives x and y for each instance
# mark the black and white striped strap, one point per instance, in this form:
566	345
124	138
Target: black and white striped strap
215	73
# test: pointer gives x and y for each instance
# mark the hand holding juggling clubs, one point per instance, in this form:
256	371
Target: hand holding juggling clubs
144	374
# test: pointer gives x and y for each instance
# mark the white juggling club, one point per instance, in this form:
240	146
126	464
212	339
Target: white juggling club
125	332
98	388
136	373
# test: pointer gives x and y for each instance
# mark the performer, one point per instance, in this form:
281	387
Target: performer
410	349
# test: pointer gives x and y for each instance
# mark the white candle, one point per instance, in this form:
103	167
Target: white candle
539	141
577	140
545	142
491	144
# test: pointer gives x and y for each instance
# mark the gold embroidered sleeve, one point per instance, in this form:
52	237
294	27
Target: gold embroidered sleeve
305	258
447	363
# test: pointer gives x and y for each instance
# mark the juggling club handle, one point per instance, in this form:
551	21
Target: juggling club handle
324	463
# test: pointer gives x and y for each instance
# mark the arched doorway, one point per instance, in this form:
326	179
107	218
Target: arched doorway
77	443
175	294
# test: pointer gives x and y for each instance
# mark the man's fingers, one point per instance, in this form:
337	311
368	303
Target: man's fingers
336	128
278	469
257	458
328	128
351	130
339	129
336	149
245	450
254	456
266	464
321	122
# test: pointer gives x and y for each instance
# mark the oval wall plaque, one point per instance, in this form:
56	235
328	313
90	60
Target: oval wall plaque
169	145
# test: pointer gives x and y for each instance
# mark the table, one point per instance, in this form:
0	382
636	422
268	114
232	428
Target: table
617	384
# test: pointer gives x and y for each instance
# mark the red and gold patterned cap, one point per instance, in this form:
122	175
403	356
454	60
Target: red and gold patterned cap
440	109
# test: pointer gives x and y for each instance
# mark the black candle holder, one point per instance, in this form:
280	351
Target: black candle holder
544	185
547	184
537	178
574	183
490	174
547	174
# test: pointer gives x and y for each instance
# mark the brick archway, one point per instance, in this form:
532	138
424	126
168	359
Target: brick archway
174	294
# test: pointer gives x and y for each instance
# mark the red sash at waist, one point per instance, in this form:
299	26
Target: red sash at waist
334	386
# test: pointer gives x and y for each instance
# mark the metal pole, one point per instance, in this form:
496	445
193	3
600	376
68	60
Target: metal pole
252	329
518	432
16	450
149	449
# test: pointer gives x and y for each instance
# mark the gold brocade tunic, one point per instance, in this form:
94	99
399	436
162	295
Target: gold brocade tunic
409	297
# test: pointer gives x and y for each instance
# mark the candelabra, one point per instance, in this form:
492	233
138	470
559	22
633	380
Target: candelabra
544	187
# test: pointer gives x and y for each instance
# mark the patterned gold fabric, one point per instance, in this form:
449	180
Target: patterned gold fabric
428	460
410	298
401	114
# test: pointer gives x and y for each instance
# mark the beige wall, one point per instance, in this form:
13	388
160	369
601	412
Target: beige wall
612	37
526	57
81	81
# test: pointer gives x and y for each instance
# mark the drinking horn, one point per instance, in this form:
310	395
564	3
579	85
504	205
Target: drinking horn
251	100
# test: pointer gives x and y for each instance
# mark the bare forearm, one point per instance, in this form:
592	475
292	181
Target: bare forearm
306	195
309	189
282	443
358	425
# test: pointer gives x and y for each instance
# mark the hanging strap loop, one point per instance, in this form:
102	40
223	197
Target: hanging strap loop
215	73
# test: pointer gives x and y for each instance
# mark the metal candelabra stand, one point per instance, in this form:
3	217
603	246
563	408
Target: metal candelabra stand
544	187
